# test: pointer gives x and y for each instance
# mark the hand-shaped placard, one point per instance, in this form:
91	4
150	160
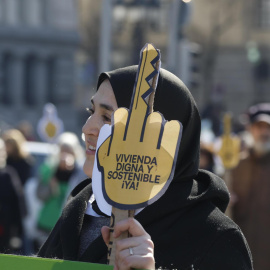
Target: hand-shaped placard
137	161
230	148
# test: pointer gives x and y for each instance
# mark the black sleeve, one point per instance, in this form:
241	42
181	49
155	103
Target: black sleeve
230	251
52	248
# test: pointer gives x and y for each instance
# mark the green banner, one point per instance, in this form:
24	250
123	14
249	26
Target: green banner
14	262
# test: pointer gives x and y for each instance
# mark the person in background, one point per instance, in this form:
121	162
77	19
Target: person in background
17	158
207	161
58	176
12	207
251	186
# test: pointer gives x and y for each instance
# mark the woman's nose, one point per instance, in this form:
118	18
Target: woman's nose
92	126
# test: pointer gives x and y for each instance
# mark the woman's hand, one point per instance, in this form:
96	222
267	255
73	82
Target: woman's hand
136	251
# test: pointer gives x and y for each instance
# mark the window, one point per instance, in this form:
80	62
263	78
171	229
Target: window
29	80
6	77
264	14
51	67
2	11
31	12
12	12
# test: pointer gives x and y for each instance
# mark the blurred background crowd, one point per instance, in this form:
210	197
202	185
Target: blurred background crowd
51	53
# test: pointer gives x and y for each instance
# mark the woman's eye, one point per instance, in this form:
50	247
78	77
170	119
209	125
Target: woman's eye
106	118
90	111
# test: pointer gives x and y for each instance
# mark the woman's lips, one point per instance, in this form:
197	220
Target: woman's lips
91	150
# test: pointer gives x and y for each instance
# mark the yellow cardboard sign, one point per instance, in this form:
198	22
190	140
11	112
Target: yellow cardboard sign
137	160
230	148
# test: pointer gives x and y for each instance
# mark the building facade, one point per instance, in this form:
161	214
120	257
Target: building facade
38	43
235	38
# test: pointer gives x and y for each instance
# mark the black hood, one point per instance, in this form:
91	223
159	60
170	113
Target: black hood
186	223
189	185
175	102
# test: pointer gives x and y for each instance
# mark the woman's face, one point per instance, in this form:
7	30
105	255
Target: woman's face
103	104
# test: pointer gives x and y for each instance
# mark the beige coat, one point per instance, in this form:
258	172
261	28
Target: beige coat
251	211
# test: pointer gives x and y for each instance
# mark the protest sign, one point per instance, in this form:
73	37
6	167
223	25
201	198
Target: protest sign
229	153
137	160
50	126
230	147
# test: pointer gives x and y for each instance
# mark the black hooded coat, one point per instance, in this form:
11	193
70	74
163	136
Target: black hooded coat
187	224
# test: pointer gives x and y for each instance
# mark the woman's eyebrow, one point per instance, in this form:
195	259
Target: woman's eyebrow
103	105
106	107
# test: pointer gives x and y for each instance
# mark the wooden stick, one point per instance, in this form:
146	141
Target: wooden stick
117	215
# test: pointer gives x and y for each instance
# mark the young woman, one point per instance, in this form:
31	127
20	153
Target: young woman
185	229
